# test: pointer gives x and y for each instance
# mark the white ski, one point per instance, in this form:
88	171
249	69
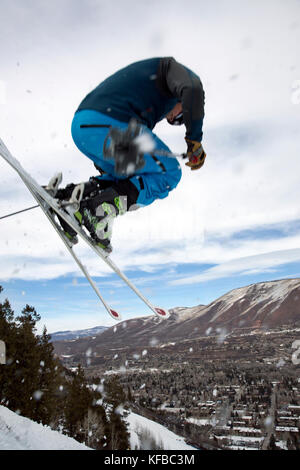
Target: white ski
46	202
113	313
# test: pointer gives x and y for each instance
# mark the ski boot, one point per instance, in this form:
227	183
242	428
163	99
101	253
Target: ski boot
97	214
96	210
70	197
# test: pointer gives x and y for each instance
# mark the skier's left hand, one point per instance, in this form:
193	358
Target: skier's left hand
195	154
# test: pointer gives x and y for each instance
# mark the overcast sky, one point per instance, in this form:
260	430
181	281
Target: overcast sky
235	221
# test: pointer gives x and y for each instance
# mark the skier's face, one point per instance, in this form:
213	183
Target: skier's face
174	113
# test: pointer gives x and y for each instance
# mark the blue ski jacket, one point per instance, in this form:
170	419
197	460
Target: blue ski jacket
147	90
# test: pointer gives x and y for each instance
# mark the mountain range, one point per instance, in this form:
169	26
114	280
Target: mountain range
265	305
70	335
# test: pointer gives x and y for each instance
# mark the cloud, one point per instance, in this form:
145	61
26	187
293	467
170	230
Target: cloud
231	208
243	266
247	57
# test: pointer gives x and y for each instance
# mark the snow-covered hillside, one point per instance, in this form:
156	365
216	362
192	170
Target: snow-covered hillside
147	432
19	433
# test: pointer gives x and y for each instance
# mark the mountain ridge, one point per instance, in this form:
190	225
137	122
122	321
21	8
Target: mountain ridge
261	305
76	334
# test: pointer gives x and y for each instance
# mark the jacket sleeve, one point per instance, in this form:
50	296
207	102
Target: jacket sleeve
187	87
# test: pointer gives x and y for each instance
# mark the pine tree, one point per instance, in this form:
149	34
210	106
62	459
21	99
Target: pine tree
34	383
27	361
130	397
30	379
50	379
115	397
114	393
119	436
8	335
79	400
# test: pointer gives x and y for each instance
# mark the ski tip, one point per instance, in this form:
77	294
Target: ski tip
115	315
162	313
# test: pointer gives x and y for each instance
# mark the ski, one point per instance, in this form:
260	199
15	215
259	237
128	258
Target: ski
44	199
53	184
113	313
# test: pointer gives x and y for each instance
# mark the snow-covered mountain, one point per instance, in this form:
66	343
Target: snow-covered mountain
267	304
19	433
68	334
262	306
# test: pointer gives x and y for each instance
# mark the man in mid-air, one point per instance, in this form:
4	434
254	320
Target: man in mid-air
113	127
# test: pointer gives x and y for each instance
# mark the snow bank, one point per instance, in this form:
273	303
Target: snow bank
143	430
19	433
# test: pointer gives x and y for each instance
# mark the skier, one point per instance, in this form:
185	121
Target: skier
133	101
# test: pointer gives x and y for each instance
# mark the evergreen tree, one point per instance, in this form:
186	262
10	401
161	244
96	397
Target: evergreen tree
34	383
77	405
114	393
27	363
115	397
29	380
8	335
130	397
50	379
118	436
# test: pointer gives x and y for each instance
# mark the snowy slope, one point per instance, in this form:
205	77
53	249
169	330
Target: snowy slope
18	433
262	295
148	431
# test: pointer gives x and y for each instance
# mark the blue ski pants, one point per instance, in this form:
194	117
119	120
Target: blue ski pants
154	181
